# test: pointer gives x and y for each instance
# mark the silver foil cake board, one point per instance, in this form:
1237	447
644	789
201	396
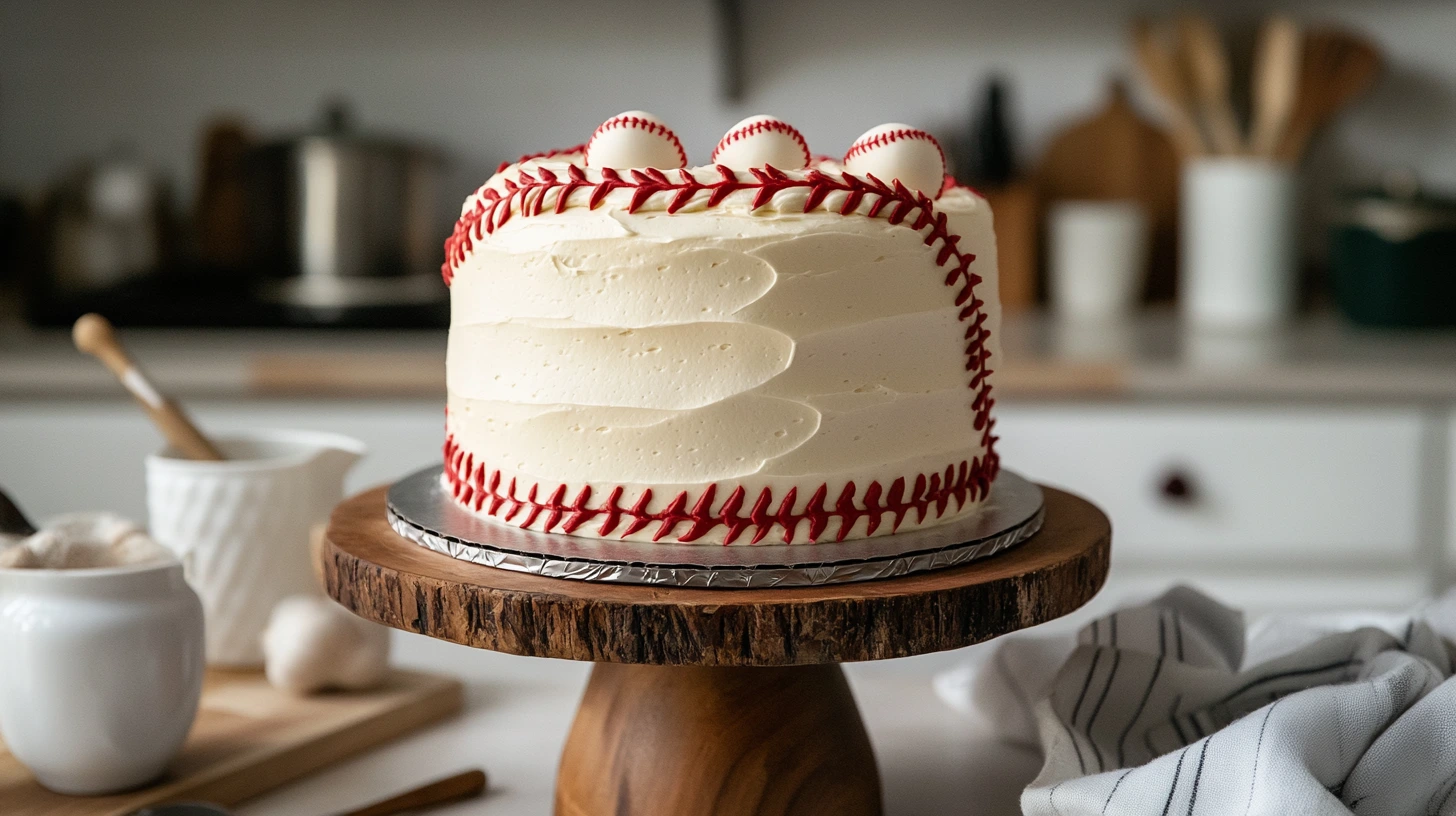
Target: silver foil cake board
420	509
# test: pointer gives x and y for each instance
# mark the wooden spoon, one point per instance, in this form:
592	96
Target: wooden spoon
94	335
1162	71
460	786
1207	62
1335	66
1276	84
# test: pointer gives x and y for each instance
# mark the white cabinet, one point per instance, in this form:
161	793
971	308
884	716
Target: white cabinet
62	456
1218	484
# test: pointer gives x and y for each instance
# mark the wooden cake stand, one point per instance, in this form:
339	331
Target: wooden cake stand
713	701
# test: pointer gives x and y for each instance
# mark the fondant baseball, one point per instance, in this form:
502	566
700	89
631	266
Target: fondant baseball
635	139
896	151
762	140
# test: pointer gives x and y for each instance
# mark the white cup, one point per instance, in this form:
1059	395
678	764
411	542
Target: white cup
100	672
1238	242
1098	258
241	526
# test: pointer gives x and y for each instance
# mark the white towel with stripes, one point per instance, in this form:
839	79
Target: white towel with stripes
1172	708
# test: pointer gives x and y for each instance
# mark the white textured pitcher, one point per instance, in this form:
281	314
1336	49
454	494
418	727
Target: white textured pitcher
241	526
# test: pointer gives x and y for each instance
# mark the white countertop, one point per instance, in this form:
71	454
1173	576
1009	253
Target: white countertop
1151	357
518	709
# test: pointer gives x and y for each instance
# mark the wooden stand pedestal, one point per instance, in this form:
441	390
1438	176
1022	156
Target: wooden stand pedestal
724	702
700	739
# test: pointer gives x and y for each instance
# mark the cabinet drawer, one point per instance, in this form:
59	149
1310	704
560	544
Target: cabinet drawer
1220	484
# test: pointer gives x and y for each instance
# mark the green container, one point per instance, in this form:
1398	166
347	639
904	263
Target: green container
1393	260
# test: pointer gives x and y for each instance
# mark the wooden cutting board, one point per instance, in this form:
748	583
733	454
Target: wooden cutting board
1116	154
250	738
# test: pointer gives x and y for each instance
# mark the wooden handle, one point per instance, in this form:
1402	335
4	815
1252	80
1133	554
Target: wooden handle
94	335
1208	66
1276	84
461	786
1160	68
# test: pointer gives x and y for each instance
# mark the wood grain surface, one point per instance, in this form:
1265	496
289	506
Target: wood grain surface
747	741
370	569
250	738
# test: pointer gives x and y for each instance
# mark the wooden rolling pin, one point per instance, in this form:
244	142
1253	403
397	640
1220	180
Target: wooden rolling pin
94	335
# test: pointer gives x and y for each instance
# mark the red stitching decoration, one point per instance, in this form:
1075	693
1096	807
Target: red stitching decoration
545	154
882	139
648	125
763	126
526	196
486	491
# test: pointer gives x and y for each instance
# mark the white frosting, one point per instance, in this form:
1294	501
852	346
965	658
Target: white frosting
762	348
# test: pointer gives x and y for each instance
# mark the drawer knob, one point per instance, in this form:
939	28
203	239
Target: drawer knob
1177	488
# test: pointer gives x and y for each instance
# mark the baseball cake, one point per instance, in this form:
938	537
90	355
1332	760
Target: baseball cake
773	347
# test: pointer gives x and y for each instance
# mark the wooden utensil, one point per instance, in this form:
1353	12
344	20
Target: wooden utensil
1335	66
1276	84
1207	62
1115	154
451	789
94	335
1163	72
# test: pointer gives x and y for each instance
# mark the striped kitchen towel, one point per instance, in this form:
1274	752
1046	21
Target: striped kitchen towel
1158	709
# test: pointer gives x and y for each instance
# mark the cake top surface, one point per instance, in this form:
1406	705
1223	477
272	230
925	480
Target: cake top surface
761	166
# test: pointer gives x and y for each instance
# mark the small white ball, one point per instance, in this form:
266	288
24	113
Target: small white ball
896	151
762	140
635	139
312	644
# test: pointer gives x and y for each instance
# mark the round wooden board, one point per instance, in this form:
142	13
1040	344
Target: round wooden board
373	571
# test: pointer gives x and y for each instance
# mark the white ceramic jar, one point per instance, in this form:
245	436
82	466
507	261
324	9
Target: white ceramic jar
1238	242
100	672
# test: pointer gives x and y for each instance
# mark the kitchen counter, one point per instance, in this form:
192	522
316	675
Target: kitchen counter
518	709
1152	357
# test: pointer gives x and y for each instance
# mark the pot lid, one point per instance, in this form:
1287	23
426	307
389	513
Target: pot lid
338	125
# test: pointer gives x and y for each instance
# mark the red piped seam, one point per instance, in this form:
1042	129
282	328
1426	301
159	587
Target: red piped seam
545	154
889	136
643	124
765	126
487	491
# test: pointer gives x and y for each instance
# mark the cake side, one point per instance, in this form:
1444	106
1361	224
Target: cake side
716	356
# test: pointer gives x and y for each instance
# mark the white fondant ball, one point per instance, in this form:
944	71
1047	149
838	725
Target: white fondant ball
896	151
635	139
762	140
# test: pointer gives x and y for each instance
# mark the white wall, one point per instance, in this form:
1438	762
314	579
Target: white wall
491	80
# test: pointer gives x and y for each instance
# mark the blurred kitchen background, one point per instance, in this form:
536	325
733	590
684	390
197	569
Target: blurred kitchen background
1278	426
